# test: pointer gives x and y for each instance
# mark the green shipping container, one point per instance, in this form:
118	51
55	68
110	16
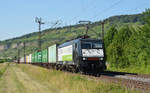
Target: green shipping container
45	56
33	58
39	57
36	57
52	58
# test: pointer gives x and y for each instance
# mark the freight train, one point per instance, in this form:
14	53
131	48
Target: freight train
79	55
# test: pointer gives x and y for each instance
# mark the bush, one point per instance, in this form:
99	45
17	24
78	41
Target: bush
2	60
129	46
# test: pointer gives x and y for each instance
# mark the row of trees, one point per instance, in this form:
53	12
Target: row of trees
129	45
3	60
127	19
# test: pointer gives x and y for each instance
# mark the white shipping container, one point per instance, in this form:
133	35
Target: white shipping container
22	60
30	58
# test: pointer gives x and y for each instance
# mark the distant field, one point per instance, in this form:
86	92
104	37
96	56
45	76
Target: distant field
32	79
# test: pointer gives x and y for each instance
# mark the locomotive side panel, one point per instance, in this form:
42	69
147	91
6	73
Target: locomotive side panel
65	53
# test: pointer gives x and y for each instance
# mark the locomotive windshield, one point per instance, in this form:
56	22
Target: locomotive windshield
86	45
96	45
91	45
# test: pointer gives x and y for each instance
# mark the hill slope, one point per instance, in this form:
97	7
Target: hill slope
8	48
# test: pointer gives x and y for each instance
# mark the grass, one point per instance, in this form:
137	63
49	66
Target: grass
9	82
3	68
133	69
25	78
62	82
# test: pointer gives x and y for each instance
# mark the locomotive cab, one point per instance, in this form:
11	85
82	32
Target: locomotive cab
92	55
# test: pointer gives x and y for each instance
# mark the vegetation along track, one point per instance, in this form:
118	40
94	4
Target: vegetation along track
129	80
25	78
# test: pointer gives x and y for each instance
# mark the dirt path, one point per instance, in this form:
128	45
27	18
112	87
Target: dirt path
14	80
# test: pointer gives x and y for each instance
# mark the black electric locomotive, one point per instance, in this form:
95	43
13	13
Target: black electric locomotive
86	55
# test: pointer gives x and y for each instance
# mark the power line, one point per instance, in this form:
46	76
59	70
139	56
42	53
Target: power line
138	6
83	5
96	33
54	24
87	23
89	6
107	9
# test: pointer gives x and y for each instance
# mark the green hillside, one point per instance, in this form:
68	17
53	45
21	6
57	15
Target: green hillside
62	34
129	47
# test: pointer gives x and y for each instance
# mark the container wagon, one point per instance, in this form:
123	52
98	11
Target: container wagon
52	55
85	55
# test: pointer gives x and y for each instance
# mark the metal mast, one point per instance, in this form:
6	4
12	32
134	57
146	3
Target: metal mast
103	23
39	21
24	48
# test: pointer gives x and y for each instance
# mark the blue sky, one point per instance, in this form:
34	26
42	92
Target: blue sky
17	16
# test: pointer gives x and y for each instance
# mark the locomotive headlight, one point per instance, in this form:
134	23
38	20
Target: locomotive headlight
84	58
101	58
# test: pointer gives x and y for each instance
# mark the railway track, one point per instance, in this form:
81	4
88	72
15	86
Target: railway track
129	80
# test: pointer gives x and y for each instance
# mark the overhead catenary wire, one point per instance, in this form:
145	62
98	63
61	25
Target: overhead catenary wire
90	6
53	24
117	3
107	9
138	6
